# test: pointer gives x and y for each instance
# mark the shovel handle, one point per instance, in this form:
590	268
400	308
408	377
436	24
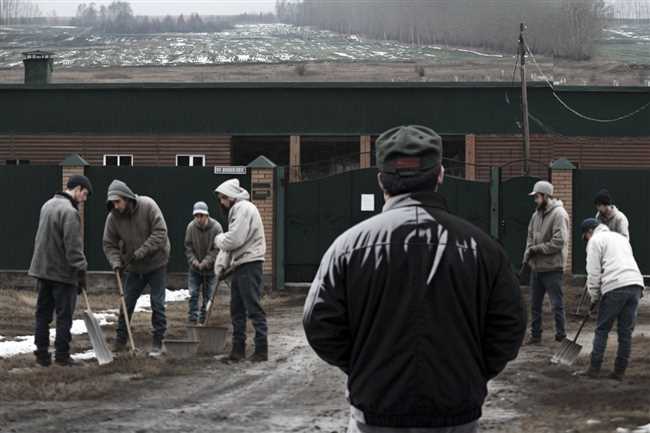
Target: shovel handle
582	325
125	311
83	292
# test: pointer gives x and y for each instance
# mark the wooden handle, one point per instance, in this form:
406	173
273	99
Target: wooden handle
86	299
125	310
210	304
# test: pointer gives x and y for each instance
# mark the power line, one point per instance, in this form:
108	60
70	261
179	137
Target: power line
573	110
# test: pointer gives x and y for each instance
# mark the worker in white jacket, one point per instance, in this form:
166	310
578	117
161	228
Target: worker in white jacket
615	285
241	252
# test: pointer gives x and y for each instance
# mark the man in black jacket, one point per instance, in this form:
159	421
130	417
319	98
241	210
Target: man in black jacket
418	307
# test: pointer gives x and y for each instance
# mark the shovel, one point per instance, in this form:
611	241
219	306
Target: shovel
570	350
102	352
125	311
208	308
582	301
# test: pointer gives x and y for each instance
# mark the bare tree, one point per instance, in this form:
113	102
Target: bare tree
565	28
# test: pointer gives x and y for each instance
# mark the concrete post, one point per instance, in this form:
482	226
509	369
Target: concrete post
470	157
364	151
295	175
562	179
262	196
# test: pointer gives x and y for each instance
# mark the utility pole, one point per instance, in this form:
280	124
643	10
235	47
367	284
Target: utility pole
524	99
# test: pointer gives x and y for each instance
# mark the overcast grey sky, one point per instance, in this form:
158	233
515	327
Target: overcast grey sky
171	7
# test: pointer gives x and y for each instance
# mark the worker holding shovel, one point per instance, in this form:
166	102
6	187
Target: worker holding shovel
136	242
616	285
242	249
59	266
201	253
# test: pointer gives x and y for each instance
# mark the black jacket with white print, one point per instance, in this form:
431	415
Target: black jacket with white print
420	309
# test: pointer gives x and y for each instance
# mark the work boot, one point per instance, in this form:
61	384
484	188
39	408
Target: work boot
560	338
592	372
43	358
119	346
156	347
261	355
533	341
237	354
618	374
66	361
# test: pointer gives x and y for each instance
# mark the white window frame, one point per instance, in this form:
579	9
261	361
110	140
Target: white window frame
192	156
119	159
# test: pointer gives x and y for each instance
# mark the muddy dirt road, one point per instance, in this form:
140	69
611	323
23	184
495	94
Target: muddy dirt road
296	392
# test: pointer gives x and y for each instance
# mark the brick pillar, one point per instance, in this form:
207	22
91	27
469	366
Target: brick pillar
262	171
364	151
470	157
562	179
72	165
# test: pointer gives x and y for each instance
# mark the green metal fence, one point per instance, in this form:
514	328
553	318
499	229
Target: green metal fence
26	188
631	192
318	211
175	189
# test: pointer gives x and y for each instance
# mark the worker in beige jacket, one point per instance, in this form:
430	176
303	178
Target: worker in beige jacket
547	248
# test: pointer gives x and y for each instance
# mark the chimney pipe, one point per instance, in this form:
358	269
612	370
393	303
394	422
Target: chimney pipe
38	67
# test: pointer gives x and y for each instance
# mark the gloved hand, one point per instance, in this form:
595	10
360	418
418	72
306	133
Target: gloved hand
83	282
119	268
138	254
594	305
196	264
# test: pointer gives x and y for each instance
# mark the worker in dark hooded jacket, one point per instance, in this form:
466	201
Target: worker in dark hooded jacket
59	265
136	242
417	306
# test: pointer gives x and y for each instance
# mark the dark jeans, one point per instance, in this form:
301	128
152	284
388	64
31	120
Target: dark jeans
245	296
203	284
134	285
620	305
541	284
59	297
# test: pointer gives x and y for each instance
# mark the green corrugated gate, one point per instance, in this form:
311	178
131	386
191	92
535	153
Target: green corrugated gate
318	211
631	192
26	188
516	210
175	189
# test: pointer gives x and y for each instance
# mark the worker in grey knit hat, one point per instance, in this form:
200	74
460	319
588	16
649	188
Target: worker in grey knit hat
547	248
201	253
136	242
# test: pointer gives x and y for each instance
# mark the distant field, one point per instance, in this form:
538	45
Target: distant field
261	43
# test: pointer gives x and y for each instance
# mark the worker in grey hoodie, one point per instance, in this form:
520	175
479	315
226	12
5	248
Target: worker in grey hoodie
242	250
610	215
136	242
616	285
201	253
59	266
547	248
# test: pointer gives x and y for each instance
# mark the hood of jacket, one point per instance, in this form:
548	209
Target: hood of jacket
232	189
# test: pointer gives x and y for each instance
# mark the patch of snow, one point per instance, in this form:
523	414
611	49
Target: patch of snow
593	422
83	356
478	53
25	344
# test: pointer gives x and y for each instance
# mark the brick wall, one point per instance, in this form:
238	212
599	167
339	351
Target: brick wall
267	211
562	180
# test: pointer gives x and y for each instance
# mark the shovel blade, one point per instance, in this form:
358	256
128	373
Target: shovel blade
102	352
568	353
